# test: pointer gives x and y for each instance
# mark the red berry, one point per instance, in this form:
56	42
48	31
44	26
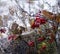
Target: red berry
41	39
51	40
2	30
11	37
31	43
42	20
44	47
33	26
41	49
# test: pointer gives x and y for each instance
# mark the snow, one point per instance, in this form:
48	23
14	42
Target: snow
34	8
